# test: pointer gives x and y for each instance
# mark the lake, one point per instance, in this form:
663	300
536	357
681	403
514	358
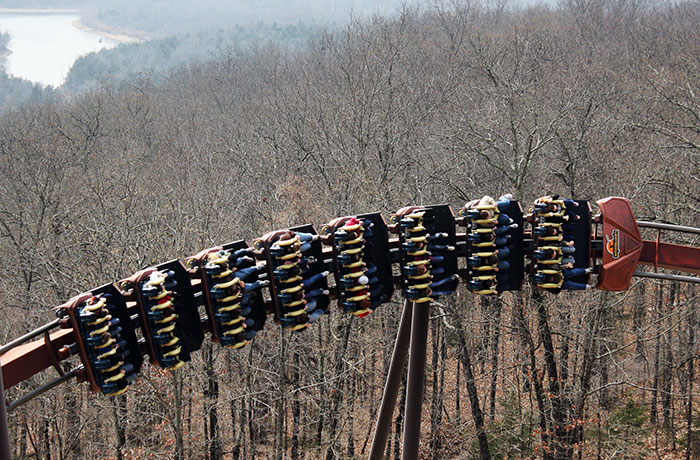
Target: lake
45	45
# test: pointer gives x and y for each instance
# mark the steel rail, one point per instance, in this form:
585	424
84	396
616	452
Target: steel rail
667	276
43	389
29	336
672	227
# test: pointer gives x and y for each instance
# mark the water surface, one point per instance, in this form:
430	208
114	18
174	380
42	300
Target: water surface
45	45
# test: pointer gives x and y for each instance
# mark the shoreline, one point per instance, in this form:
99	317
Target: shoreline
100	30
39	10
119	37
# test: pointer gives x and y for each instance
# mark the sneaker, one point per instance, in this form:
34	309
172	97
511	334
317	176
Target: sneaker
590	286
589	270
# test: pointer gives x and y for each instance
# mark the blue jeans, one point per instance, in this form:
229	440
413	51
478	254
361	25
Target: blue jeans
569	203
504	219
437	236
314	293
243	262
573	286
503	253
367	224
503	265
241	252
310	305
568	249
437	259
502	205
303	237
502	229
573	272
436	284
313	280
437	247
244	273
253	286
501	240
316	314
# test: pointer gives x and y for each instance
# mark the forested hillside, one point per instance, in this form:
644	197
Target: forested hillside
159	58
16	91
590	99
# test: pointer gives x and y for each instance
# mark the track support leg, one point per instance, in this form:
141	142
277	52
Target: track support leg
393	384
416	380
5	453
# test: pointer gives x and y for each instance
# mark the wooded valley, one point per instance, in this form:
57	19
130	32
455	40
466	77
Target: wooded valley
589	99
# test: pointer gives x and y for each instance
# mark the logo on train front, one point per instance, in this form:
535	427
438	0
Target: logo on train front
612	243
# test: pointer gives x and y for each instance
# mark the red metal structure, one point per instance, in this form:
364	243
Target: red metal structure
624	249
619	248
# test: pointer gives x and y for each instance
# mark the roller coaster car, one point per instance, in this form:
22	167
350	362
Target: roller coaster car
234	316
361	264
170	322
427	247
582	240
481	244
515	244
105	339
299	287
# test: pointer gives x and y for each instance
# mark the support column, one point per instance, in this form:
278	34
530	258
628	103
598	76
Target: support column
5	453
416	380
393	384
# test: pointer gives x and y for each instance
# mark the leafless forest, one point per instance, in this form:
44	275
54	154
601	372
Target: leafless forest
592	98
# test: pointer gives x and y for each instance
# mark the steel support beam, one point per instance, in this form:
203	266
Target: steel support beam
393	384
416	380
5	453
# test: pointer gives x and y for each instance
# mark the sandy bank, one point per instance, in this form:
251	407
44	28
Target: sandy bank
116	36
38	10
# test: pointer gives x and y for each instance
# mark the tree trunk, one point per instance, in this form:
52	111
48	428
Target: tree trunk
563	448
495	338
211	397
477	414
119	414
692	323
337	392
296	407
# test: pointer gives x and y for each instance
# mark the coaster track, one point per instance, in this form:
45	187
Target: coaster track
557	244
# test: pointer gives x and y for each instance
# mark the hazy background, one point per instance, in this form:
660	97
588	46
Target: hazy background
172	34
